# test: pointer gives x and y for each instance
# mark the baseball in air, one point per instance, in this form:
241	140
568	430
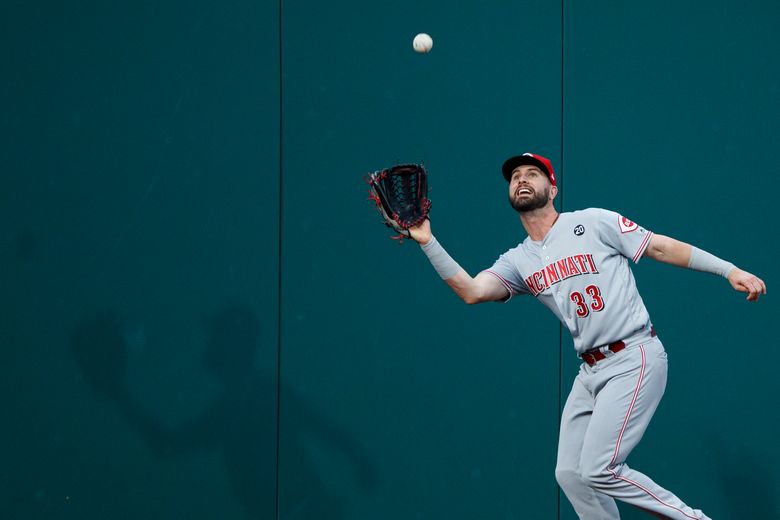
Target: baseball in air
422	43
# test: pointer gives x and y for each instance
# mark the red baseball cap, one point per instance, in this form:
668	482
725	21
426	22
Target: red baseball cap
532	159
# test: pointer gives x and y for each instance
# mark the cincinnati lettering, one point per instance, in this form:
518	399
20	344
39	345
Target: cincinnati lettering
560	270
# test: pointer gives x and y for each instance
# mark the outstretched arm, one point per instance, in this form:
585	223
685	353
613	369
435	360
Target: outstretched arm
481	288
671	251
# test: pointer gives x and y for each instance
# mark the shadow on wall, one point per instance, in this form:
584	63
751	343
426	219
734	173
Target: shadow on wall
748	482
242	421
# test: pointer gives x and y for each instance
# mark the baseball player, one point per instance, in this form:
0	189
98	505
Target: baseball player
577	264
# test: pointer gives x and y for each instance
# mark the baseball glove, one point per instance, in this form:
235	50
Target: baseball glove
401	196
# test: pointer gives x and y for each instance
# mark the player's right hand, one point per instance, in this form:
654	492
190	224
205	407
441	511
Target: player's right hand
421	233
743	281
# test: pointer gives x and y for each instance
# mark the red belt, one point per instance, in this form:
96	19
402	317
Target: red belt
595	355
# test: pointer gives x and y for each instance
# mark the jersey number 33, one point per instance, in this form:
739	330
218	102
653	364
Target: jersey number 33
585	304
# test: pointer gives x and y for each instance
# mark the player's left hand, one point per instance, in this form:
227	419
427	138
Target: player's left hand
743	281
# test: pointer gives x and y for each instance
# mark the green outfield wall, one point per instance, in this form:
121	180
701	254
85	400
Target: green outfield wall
204	317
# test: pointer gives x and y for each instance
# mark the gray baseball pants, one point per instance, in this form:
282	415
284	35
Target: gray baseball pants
605	416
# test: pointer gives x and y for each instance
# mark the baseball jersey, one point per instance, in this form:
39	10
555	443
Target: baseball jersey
580	271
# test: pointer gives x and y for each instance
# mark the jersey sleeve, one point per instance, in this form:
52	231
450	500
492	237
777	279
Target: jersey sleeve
505	270
626	237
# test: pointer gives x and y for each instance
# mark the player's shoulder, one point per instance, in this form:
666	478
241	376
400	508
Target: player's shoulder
518	249
587	214
512	255
521	250
607	219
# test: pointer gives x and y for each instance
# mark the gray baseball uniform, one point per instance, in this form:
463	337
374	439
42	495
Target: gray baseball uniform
580	271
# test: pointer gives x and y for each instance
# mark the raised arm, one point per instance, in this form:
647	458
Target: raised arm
481	288
671	251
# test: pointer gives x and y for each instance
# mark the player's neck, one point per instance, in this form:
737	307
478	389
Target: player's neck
537	223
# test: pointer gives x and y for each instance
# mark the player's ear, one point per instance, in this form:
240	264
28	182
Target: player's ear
553	192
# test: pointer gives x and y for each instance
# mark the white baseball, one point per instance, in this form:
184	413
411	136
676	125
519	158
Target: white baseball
422	43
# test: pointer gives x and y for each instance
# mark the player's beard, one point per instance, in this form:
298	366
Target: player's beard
529	204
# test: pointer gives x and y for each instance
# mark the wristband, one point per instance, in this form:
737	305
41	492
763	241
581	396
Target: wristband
708	263
440	259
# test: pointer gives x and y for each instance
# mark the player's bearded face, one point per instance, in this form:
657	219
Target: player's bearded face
536	200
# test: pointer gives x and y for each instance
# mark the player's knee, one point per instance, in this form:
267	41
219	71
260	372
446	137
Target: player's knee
568	478
598	477
596	470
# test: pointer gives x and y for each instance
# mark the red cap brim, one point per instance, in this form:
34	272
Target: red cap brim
527	160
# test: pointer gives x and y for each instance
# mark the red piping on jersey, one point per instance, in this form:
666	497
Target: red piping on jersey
503	281
652	495
642	247
611	467
630	407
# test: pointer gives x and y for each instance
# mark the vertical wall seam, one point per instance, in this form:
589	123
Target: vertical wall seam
560	325
279	274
